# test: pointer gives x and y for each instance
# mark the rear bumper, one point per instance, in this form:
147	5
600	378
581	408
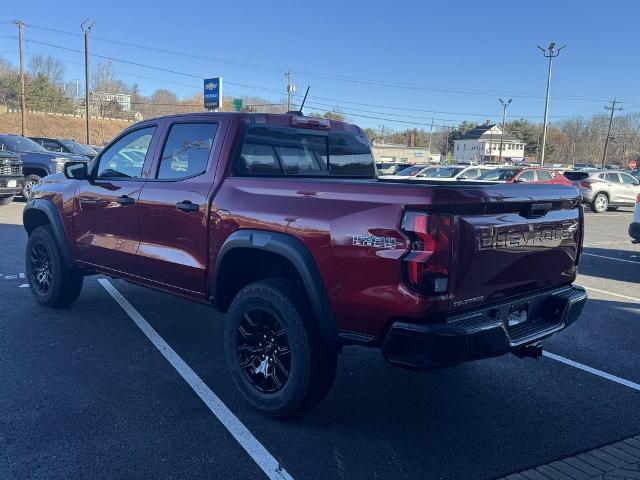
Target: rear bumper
634	230
484	332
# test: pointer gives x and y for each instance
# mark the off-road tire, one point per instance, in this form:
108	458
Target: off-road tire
6	200
64	283
600	203
312	362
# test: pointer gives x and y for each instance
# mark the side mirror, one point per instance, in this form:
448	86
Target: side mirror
463	177
76	170
520	180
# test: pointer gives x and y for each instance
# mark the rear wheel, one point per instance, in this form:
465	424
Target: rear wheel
600	203
6	200
51	282
276	358
29	183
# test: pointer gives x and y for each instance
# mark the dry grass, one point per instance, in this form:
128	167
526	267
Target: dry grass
47	125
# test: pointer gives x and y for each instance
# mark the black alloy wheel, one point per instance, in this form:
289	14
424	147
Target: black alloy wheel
41	267
263	351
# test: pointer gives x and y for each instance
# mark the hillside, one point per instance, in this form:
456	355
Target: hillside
51	125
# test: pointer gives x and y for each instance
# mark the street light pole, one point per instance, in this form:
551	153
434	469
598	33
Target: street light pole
504	116
23	104
86	31
550	53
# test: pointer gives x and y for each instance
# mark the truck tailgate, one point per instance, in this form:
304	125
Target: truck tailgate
513	241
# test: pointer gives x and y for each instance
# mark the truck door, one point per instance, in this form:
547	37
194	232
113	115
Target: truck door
105	220
174	208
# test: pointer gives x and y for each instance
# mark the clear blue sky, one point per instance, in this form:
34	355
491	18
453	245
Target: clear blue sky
456	57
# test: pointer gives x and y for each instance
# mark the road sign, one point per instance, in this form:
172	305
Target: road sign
237	104
633	164
212	92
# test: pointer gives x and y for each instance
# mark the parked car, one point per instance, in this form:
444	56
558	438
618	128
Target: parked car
96	148
608	189
634	227
391	168
408	172
65	145
37	162
524	175
11	178
452	172
252	215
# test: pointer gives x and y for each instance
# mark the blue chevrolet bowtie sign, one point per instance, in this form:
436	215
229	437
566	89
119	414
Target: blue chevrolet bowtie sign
212	92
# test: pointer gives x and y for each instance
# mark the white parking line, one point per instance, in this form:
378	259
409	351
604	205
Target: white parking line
605	292
600	373
236	428
611	258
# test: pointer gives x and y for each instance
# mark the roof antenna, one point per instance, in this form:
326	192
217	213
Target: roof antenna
299	112
304	99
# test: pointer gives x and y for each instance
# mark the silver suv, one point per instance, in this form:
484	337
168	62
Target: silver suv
606	189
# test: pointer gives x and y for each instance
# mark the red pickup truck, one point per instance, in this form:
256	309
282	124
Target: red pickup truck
280	221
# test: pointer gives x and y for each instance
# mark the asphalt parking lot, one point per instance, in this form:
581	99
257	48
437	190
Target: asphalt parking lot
87	392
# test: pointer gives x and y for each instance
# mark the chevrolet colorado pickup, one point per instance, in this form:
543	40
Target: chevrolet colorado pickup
280	221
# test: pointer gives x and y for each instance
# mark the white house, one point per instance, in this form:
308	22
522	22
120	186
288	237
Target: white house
482	144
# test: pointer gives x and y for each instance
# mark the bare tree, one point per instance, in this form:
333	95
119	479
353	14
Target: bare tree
48	66
104	79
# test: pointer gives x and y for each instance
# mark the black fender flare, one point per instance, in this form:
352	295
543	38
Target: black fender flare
298	254
33	210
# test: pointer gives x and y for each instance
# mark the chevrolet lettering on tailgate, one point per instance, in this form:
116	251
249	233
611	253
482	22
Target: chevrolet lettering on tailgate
492	238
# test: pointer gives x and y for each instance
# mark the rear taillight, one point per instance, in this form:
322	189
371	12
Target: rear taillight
426	265
585	185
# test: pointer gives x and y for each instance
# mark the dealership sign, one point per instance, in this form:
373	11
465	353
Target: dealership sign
213	92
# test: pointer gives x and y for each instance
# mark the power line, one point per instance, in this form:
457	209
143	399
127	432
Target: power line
302	72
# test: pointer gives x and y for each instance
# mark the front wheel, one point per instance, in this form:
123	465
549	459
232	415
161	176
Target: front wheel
29	183
276	357
52	283
600	203
6	200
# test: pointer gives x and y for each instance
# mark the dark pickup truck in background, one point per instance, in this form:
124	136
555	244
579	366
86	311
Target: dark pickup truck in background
280	221
37	162
11	179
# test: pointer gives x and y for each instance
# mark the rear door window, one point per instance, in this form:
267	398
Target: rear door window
613	177
544	175
186	151
287	151
527	176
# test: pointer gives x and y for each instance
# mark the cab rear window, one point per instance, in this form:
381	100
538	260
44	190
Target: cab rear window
274	151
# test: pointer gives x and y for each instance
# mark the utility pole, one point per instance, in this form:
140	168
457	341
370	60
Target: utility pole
613	108
430	135
549	53
504	116
290	89
86	30
23	100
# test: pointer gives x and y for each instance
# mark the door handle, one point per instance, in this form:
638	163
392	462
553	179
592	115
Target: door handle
125	200
187	206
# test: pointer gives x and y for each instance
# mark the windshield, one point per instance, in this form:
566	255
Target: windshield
441	172
78	148
16	143
499	174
